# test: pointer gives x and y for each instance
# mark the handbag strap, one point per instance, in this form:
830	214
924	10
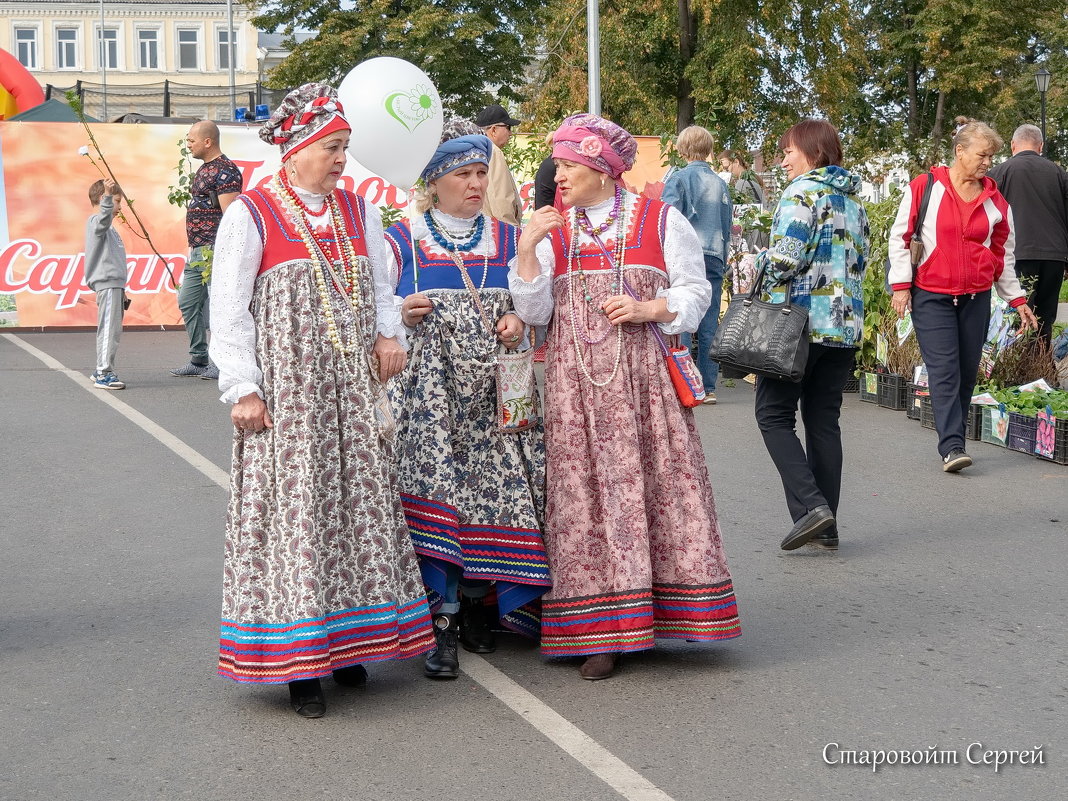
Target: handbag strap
925	199
627	288
459	261
758	284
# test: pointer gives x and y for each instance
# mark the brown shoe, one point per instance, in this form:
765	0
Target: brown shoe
598	666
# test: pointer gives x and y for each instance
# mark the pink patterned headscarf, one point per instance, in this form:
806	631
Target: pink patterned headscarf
598	143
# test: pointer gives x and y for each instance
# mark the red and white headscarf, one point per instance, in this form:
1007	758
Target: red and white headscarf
308	113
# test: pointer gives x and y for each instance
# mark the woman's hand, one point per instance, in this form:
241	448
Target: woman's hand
510	330
250	415
391	357
902	301
415	308
1028	321
542	222
624	309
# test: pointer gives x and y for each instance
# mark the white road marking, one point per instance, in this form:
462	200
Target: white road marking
153	429
568	737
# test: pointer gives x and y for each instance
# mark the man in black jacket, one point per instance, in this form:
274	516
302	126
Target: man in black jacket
1037	191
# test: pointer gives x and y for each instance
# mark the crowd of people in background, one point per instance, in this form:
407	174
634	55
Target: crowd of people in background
385	505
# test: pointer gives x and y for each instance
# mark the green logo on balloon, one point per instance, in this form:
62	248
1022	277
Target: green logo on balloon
412	108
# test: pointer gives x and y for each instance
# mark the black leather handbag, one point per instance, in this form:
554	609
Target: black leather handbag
766	339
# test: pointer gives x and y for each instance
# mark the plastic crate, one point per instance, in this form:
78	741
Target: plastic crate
869	387
927	412
852	384
893	391
1060	447
987	432
1021	433
974	427
914	400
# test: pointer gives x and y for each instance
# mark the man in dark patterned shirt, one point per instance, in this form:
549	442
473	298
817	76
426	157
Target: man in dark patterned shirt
214	187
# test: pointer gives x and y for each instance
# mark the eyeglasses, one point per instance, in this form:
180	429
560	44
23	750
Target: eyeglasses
503	125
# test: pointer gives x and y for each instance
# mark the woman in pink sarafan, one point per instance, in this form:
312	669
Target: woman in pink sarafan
631	531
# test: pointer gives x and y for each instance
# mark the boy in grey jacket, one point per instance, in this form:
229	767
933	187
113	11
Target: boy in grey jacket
105	273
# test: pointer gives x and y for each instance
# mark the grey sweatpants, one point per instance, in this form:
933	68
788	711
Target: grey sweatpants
108	327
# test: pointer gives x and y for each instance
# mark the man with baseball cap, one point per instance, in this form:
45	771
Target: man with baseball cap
502	197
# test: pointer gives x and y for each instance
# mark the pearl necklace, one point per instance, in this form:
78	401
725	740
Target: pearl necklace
350	266
620	251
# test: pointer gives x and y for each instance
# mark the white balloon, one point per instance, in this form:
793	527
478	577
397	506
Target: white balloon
396	118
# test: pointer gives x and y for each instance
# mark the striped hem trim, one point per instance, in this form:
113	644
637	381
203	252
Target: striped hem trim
630	620
278	653
484	552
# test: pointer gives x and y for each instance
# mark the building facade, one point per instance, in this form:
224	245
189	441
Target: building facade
153	58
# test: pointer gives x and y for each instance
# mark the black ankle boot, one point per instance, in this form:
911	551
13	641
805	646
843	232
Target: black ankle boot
307	699
475	633
351	676
443	662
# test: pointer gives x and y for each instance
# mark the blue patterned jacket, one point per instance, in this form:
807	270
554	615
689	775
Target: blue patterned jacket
819	237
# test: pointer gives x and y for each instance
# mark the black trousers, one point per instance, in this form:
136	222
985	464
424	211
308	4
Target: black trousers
951	330
811	475
1044	279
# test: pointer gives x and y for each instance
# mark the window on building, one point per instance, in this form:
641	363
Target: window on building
108	48
189	49
66	48
26	47
223	39
148	49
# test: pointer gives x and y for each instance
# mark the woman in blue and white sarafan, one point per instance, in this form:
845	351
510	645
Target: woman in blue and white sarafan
473	496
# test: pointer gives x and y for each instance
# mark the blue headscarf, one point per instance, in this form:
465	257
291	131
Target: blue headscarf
456	153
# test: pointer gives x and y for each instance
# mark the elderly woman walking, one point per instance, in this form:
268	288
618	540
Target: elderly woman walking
319	572
968	243
631	527
704	200
819	242
473	495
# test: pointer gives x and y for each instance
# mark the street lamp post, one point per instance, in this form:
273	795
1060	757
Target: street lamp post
593	55
1042	77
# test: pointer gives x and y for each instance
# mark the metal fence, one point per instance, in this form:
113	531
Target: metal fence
168	99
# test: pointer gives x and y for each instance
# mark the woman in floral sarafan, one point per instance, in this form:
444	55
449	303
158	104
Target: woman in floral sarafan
319	573
630	523
472	494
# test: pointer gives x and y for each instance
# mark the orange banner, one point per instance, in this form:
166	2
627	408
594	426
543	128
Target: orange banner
44	206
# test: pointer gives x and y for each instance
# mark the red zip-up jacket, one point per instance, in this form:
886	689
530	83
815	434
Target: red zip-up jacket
960	256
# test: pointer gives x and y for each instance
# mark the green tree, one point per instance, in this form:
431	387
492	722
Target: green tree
744	68
466	47
931	60
891	74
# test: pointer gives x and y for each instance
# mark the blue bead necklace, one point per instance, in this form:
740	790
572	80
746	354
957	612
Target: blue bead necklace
447	243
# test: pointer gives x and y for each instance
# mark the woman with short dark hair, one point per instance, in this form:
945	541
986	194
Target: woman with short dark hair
747	189
819	241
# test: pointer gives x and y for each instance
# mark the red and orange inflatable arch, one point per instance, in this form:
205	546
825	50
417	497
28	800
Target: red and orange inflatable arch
19	90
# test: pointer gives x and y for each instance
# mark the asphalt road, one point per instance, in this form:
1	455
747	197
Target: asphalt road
939	624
